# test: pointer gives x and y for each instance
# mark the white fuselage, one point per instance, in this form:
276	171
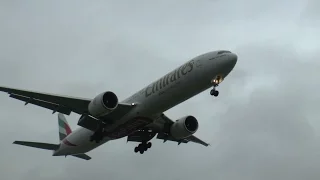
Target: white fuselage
186	81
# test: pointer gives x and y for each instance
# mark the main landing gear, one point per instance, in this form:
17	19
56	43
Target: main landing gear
98	135
142	147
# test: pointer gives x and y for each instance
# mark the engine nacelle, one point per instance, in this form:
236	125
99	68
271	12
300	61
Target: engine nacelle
184	127
103	104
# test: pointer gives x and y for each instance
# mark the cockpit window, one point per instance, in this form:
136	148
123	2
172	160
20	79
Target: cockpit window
222	52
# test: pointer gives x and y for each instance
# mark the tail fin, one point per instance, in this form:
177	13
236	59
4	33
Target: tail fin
64	128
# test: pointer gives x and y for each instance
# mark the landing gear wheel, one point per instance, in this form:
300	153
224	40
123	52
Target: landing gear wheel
214	92
142	147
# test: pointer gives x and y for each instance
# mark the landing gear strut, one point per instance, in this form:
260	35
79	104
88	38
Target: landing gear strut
98	135
142	147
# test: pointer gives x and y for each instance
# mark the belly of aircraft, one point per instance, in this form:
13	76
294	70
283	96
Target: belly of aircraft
128	127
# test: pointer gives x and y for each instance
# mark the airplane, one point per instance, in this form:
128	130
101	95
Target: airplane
139	117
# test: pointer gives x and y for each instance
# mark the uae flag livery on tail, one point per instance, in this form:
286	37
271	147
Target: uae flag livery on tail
64	128
64	131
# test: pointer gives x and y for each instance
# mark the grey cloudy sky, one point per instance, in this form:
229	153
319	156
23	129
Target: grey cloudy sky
264	124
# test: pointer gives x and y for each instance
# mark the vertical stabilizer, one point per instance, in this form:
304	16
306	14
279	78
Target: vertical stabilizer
64	128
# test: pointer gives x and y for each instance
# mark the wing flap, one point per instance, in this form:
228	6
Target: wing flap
165	138
88	122
77	105
197	140
44	104
191	138
82	156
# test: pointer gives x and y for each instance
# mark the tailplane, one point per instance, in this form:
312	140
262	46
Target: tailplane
64	128
38	145
64	131
48	146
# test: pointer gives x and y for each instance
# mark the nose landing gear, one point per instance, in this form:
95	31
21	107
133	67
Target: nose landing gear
214	92
215	82
142	147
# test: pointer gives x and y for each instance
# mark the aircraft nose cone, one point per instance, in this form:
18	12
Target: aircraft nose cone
230	62
233	58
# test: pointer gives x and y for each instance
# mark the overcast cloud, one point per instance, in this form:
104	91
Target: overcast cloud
264	124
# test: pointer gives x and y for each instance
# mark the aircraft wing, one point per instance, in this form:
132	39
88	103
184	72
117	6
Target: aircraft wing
64	104
82	156
140	136
56	103
191	138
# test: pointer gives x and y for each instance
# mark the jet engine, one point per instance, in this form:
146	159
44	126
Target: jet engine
103	104
184	127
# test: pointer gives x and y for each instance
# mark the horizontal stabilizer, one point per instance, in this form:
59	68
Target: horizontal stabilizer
37	145
82	156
